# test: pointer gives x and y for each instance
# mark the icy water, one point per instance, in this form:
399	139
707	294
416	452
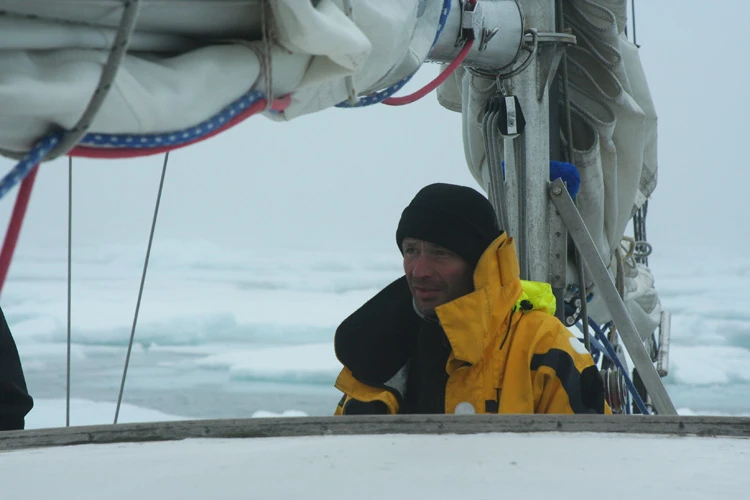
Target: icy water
224	335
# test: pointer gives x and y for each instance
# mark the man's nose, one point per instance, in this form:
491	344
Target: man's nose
422	267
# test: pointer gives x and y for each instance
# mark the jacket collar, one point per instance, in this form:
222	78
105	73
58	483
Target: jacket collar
471	321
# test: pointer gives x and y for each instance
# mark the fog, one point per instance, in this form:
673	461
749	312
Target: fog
340	178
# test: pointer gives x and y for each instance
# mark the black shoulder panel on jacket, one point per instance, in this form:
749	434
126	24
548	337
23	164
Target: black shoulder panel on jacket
356	407
376	340
592	389
15	401
585	389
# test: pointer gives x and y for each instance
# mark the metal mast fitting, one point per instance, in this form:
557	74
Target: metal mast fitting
495	25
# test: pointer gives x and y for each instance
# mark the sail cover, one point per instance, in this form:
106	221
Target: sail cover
188	60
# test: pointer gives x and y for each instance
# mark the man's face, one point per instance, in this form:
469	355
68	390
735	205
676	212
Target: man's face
435	274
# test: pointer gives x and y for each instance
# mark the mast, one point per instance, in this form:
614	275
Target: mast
530	152
540	227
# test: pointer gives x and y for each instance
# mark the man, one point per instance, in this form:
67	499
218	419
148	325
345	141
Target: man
460	332
15	401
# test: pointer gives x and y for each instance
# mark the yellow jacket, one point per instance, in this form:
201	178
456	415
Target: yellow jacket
509	353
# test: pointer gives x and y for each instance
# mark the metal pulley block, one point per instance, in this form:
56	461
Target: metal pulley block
510	122
615	387
514	122
615	390
572	311
573	306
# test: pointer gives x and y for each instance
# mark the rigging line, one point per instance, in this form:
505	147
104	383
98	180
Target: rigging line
448	71
13	231
140	289
601	337
70	253
632	10
136	145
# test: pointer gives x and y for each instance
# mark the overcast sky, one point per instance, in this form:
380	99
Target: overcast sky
340	178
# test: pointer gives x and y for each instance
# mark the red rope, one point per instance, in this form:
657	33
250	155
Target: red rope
408	99
16	221
112	153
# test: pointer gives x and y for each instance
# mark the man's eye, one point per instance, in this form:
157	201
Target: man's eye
410	251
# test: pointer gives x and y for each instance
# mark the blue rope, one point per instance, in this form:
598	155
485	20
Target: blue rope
130	141
613	356
140	141
23	167
597	349
382	95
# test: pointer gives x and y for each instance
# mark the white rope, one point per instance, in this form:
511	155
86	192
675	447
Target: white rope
140	289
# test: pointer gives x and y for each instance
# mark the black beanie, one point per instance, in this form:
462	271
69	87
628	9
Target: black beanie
458	218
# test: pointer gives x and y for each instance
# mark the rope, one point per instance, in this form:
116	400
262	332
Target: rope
382	95
597	349
140	289
109	72
448	71
15	224
70	253
134	145
613	356
31	160
24	172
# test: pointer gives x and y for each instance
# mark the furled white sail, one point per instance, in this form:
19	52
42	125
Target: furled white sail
190	59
